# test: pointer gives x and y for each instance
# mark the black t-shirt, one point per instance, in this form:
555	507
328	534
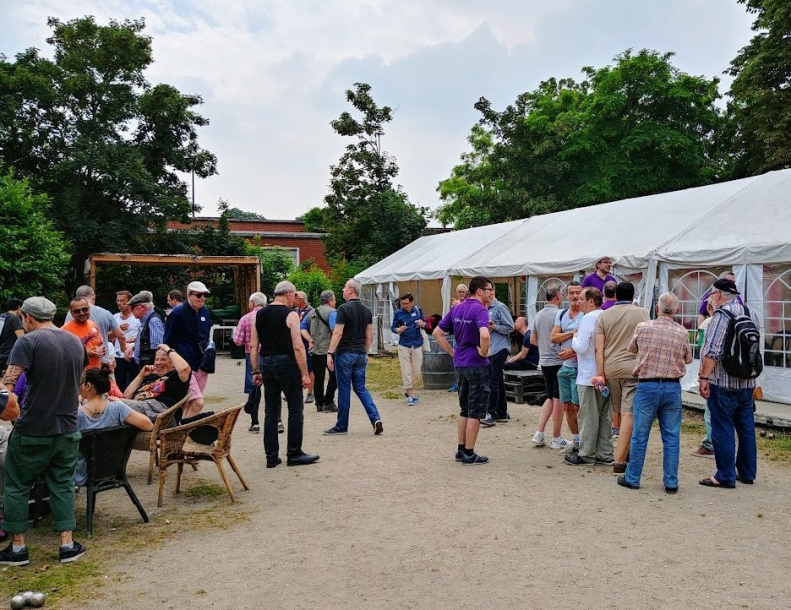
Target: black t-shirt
355	318
53	360
8	336
273	332
167	388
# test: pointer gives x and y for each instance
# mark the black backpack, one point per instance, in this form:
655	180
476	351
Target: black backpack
741	356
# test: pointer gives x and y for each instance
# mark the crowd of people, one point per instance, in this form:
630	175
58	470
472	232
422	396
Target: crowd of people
612	371
608	368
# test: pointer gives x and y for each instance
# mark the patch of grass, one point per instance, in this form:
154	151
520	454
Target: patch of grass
777	449
213	400
384	375
208	491
693	427
113	536
389	395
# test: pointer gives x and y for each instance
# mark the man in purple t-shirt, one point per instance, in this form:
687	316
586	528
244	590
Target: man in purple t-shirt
469	323
598	278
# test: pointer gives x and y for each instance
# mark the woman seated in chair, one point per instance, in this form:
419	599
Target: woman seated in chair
161	385
97	411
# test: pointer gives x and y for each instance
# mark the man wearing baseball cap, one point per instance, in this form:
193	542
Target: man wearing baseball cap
45	440
187	330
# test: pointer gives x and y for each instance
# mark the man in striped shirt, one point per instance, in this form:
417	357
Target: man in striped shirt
729	399
662	350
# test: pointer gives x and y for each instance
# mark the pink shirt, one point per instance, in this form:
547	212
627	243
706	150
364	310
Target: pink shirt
244	330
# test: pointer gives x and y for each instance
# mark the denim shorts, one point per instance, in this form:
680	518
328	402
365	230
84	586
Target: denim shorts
567	382
474	390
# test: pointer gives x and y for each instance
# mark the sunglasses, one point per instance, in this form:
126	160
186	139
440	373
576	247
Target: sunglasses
200	295
81	310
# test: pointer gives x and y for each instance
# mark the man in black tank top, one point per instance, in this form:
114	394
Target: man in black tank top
283	369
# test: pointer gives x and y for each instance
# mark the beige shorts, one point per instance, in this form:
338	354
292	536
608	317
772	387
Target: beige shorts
622	390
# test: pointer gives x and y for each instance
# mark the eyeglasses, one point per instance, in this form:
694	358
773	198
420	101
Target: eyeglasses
80	310
200	295
490	289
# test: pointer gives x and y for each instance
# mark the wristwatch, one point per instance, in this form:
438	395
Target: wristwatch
331	354
167	353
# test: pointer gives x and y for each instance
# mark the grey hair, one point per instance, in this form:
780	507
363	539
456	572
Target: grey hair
355	285
301	295
148	306
149	293
258	298
668	303
84	291
552	292
284	287
326	296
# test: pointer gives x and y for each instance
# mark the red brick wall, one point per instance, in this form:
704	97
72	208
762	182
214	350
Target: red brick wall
309	247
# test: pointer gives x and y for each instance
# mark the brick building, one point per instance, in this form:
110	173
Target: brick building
287	234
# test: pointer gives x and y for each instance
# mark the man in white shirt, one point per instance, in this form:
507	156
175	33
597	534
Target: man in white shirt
595	414
125	370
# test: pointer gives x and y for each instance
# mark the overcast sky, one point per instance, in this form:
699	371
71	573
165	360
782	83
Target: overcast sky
273	73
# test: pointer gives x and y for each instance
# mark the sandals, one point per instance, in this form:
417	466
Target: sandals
710	482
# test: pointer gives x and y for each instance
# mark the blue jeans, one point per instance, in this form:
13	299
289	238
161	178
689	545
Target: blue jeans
253	392
706	443
733	410
662	400
350	374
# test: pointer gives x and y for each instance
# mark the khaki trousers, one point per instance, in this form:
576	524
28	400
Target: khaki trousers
411	359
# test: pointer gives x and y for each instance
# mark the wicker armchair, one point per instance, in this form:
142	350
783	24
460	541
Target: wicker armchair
148	441
176	447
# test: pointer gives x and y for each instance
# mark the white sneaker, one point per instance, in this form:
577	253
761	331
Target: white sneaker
560	443
538	439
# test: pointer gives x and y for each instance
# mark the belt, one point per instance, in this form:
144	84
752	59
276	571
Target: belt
660	379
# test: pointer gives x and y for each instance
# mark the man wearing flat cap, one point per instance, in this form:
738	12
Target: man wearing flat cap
151	332
45	440
729	398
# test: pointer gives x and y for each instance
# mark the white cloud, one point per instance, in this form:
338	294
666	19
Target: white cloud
272	74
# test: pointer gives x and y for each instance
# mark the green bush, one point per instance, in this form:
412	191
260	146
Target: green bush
312	281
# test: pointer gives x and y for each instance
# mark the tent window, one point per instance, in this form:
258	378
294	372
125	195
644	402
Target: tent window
777	315
689	287
545	282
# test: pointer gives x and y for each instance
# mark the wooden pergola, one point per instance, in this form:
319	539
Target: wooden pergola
246	269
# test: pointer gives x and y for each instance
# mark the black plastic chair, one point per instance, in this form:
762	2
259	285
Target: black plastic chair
107	452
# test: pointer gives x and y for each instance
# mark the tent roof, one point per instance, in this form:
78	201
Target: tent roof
745	220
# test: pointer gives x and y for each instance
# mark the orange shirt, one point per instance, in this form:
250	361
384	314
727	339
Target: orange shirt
91	338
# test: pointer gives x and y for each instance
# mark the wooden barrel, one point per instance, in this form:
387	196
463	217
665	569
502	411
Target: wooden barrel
437	369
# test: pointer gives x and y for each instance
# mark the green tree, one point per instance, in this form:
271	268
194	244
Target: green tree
314	220
636	128
90	131
311	280
276	264
237	214
367	217
33	254
761	91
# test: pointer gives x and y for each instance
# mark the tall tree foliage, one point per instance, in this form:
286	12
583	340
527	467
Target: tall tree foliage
90	131
367	217
761	91
33	254
636	128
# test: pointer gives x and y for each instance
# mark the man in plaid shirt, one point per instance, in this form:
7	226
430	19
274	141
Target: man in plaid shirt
729	399
241	336
662	349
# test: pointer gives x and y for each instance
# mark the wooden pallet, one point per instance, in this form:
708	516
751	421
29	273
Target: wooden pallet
523	386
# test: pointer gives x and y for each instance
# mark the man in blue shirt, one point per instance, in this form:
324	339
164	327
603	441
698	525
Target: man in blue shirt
501	325
187	330
527	358
407	324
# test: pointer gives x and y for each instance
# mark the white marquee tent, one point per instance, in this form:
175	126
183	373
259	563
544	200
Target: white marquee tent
677	241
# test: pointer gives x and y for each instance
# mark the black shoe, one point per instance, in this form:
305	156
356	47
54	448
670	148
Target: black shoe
319	408
334	431
741	479
9	558
378	429
671	490
575	459
622	482
331	408
273	463
502	419
72	554
302	460
459	455
474	459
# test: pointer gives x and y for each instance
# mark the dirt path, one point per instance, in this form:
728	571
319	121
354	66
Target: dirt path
394	522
